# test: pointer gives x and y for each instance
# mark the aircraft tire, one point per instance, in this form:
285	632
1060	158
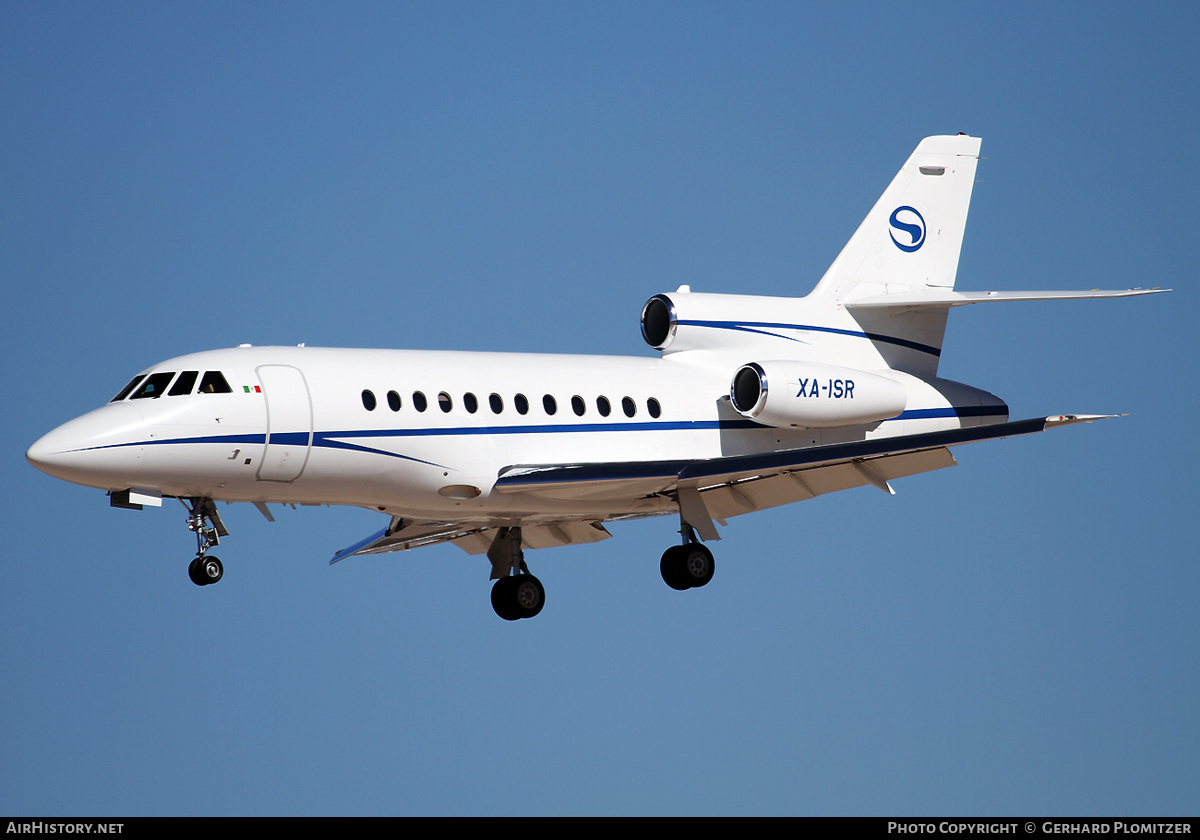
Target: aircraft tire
205	570
194	572
503	601
671	567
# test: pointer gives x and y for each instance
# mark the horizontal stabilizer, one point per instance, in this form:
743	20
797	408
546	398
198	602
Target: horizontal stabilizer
935	298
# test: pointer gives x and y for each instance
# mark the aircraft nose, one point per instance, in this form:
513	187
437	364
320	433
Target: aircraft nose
42	453
100	449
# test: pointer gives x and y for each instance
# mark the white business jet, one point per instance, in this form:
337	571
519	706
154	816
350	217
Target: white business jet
754	402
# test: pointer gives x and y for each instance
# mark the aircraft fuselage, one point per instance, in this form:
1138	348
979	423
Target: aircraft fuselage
427	433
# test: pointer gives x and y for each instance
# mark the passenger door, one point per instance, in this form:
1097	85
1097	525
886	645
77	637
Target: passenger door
289	423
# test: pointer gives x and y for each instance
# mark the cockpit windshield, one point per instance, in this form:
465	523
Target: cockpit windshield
125	391
153	386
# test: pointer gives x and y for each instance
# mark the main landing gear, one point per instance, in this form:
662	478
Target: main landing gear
516	593
205	569
689	565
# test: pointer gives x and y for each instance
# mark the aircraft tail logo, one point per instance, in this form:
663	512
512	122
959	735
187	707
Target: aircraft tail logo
909	228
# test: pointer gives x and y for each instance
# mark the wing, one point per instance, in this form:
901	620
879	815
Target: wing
718	488
706	490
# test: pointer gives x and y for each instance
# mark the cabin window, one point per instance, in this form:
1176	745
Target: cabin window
393	401
419	401
653	407
629	407
577	405
470	403
154	386
368	400
125	391
214	383
602	405
183	385
549	404
445	403
497	403
521	403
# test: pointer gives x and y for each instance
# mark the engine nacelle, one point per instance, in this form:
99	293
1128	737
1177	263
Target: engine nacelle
686	320
811	395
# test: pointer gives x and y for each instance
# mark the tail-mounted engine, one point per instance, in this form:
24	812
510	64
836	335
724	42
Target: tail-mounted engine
810	395
685	320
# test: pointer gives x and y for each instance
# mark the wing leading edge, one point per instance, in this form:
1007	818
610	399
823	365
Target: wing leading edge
714	471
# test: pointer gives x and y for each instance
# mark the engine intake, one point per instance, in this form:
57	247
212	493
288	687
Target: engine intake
658	321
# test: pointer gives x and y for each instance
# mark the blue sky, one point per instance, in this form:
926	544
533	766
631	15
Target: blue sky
1014	636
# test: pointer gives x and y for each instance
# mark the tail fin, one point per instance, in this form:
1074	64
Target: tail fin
912	237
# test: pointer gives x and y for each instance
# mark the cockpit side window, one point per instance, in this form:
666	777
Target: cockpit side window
183	385
125	391
214	383
154	386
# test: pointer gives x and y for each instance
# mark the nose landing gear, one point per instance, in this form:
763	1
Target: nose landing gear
206	568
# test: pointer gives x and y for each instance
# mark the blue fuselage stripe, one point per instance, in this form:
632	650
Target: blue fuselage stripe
762	326
340	439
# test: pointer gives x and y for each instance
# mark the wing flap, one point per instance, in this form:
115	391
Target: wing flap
748	495
563	533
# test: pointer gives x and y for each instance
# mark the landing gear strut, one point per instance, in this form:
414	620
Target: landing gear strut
206	568
516	593
688	565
